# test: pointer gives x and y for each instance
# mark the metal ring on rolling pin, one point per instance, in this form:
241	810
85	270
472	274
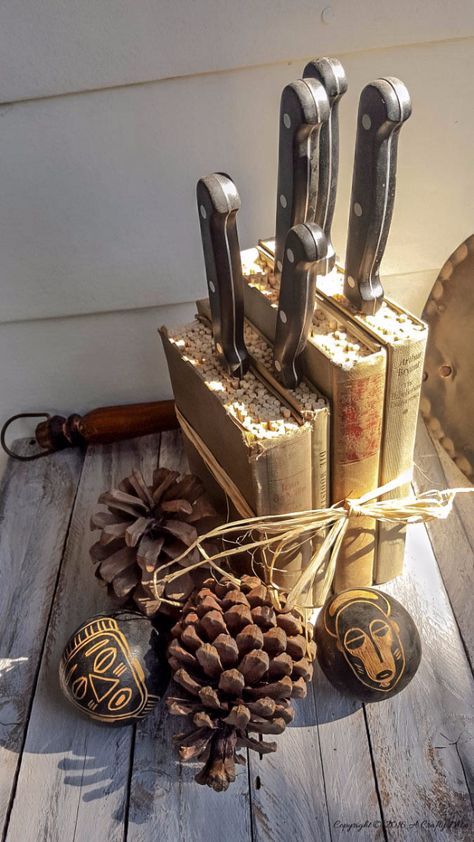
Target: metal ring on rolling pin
11	453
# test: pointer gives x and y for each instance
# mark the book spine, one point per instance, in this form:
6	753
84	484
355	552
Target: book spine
402	399
320	442
319	459
357	407
282	475
282	478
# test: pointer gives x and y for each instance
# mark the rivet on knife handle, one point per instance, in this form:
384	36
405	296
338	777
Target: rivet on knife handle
325	155
218	202
304	258
303	109
383	108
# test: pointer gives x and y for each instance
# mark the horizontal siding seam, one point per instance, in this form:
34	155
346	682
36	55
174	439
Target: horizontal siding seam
91	313
226	70
169	304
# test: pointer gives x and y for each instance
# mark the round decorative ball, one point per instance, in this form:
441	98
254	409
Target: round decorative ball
114	668
368	645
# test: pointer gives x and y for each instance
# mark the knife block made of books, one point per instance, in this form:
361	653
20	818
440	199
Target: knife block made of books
256	433
403	338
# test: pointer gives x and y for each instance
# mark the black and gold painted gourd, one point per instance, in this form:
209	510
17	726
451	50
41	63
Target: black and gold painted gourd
113	667
368	645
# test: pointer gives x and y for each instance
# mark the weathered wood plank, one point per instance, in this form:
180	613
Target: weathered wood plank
288	788
73	777
165	802
36	500
452	539
351	795
320	783
422	739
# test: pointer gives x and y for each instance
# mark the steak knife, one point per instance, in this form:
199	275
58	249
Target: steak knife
325	156
383	108
218	202
304	257
304	108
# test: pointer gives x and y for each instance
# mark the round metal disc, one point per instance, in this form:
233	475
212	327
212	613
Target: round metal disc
447	402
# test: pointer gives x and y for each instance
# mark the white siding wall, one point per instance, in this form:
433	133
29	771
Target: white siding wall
111	110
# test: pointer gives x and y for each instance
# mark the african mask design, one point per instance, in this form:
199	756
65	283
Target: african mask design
111	667
367	643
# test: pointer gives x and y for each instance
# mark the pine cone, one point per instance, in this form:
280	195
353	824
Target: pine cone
239	660
146	527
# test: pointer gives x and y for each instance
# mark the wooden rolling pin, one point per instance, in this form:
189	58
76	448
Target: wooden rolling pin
99	426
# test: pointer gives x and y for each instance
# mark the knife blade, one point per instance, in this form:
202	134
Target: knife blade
304	258
218	202
304	107
383	108
325	156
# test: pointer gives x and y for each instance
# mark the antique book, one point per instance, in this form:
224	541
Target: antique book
404	338
257	436
348	367
306	400
308	403
315	410
312	405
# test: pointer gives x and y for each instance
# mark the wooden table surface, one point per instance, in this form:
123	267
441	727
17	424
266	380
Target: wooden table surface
397	770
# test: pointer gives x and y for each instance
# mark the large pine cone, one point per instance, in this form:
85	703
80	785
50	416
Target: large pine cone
239	660
146	527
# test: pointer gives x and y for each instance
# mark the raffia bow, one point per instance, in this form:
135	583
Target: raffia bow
274	535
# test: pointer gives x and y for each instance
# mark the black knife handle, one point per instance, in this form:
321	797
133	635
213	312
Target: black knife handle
303	109
304	259
218	202
325	159
383	108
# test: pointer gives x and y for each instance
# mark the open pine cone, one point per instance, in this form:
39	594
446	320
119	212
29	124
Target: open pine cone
145	528
238	660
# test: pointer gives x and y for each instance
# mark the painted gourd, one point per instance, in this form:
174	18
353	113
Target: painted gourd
368	645
113	667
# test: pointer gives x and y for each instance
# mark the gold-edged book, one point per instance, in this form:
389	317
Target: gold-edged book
348	367
404	337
